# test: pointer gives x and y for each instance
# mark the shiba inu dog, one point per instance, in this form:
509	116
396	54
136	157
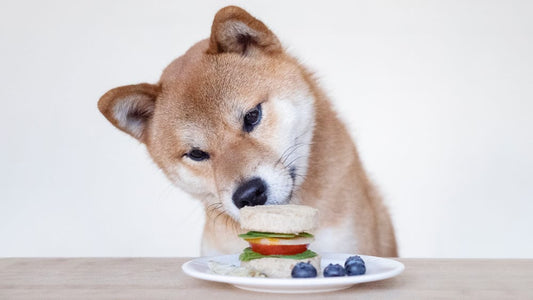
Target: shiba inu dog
236	121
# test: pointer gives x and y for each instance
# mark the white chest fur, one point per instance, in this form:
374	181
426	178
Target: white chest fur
338	238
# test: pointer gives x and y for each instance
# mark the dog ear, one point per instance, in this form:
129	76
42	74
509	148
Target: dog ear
235	30
130	107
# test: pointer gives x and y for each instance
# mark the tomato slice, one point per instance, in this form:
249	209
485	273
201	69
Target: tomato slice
278	249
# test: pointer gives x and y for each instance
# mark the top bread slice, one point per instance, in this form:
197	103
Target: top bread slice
279	218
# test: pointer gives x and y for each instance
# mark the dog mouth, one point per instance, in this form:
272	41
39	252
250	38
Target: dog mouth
274	183
289	187
278	191
292	173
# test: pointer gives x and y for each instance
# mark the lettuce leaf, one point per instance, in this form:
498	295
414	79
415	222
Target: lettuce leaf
256	235
247	255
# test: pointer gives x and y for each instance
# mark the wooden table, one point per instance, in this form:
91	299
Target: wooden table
148	278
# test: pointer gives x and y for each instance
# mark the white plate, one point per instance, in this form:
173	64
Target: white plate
377	268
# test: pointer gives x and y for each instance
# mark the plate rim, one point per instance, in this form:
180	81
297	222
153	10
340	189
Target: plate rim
293	282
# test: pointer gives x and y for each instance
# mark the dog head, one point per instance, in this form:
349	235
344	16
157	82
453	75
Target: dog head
230	122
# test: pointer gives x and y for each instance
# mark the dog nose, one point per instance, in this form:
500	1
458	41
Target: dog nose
250	193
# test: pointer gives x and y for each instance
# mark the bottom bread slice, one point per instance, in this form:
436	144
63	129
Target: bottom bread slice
279	267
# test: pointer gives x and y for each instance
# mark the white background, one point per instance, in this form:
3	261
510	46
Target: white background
437	94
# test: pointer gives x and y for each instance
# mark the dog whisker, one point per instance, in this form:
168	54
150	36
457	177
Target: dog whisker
288	148
292	151
283	155
290	164
216	217
288	152
214	207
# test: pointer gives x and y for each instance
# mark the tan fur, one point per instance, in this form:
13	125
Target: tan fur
200	101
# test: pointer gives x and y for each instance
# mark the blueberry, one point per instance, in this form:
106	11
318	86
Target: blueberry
334	271
353	260
303	270
355	269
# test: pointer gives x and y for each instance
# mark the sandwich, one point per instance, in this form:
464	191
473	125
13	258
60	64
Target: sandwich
279	236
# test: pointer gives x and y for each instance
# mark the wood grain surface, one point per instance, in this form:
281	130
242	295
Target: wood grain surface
162	278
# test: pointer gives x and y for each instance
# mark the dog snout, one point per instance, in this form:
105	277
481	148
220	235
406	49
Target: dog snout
250	193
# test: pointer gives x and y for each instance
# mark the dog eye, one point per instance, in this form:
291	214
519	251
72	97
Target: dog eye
197	155
252	118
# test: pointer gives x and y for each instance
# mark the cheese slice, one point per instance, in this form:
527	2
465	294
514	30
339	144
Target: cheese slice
282	241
